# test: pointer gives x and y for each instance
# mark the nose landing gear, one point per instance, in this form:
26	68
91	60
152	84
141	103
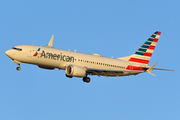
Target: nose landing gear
18	68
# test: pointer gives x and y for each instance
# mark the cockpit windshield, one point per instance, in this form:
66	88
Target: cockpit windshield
19	49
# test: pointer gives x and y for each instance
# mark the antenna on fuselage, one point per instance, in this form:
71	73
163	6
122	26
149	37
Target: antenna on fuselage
50	44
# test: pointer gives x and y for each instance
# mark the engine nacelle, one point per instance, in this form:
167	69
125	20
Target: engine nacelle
76	71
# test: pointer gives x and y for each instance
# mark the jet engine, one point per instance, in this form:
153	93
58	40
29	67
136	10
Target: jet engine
76	71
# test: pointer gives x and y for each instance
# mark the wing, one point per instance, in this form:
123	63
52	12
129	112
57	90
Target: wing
110	72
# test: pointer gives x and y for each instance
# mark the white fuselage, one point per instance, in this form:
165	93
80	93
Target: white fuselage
48	57
59	58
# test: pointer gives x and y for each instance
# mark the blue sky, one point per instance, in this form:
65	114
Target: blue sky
111	28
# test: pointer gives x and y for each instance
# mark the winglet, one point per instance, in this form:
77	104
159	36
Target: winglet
151	68
50	44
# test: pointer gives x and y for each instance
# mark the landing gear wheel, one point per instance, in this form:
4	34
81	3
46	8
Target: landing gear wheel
18	68
86	79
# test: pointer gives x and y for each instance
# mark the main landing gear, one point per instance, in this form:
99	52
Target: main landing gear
86	79
18	68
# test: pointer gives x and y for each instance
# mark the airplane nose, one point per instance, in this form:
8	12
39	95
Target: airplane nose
8	53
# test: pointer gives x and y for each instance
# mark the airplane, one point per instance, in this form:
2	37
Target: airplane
81	65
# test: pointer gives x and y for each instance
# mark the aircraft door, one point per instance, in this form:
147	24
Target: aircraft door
29	53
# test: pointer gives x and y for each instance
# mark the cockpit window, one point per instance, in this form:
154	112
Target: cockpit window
19	49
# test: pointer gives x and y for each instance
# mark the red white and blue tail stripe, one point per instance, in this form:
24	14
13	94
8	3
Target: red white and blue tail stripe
144	53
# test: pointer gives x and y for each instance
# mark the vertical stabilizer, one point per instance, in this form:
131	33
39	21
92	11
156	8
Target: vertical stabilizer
144	53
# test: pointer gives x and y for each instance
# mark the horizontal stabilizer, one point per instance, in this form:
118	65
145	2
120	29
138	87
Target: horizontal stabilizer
163	69
151	68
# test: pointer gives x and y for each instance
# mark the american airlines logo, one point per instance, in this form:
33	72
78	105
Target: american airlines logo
37	52
53	56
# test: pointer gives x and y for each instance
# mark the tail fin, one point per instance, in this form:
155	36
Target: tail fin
144	53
